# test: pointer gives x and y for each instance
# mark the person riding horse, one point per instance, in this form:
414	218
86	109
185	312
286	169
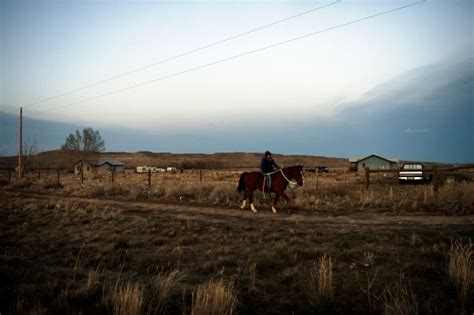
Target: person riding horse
249	182
268	165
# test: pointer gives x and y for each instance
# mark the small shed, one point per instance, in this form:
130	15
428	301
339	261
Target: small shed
373	162
99	167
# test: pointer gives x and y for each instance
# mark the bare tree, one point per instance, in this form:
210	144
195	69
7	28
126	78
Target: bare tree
85	144
31	150
89	140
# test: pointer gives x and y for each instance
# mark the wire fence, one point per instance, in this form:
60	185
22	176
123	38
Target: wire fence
314	180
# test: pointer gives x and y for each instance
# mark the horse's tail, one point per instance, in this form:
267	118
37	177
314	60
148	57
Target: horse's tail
241	186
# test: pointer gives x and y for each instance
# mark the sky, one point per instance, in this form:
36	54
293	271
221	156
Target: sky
344	92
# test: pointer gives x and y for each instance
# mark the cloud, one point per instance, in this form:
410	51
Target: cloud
435	101
409	130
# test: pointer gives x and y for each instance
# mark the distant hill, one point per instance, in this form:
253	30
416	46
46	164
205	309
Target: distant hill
65	159
220	160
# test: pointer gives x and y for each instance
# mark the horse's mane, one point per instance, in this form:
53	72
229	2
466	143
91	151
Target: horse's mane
293	167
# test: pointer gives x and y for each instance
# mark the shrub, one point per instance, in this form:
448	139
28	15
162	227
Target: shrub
456	198
223	194
137	192
158	191
51	184
23	183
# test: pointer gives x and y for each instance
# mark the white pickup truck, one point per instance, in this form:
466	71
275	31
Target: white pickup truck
413	172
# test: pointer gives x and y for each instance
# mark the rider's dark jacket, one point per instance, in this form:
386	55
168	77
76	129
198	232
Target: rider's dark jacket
268	166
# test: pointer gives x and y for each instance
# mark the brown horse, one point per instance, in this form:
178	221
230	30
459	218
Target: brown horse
251	181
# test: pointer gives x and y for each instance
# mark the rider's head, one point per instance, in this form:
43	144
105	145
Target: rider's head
268	154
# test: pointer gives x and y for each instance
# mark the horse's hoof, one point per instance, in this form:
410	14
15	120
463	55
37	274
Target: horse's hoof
274	210
253	208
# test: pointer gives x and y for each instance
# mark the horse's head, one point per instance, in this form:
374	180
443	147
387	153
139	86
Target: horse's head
298	174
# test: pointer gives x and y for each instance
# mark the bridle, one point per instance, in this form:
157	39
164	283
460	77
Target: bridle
291	183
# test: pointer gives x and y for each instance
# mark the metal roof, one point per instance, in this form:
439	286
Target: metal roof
357	159
100	162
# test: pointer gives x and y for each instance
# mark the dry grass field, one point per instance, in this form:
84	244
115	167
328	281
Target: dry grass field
183	246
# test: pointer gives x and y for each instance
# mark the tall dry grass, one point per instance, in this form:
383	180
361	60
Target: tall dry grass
125	300
368	259
324	192
321	281
460	268
367	287
162	288
214	298
401	300
325	278
90	285
24	306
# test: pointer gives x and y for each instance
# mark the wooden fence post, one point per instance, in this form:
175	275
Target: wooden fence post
435	179
59	176
345	176
39	174
317	178
200	175
82	173
367	178
113	176
9	177
149	178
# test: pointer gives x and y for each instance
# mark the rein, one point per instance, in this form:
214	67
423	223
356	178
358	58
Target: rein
290	183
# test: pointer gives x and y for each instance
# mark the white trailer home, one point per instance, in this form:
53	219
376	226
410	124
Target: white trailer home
146	169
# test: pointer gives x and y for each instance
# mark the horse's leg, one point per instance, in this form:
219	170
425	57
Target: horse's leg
244	201
275	200
251	203
288	202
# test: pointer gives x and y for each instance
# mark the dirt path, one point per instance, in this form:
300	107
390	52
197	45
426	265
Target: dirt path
186	211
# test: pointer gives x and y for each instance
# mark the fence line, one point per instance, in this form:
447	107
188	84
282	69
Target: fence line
434	172
317	180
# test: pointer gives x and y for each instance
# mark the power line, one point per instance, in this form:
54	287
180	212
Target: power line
234	57
182	54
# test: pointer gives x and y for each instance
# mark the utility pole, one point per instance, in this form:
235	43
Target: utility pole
20	146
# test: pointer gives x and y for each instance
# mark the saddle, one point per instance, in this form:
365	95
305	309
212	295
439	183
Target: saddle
267	182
